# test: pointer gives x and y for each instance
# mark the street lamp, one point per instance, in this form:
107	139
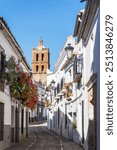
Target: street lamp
69	49
52	83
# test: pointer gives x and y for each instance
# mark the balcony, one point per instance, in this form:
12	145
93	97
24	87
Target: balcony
68	91
57	97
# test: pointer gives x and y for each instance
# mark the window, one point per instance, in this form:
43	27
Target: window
1	120
58	87
2	64
79	85
58	117
70	72
37	57
37	68
2	68
54	120
92	99
42	69
42	58
62	83
54	91
65	116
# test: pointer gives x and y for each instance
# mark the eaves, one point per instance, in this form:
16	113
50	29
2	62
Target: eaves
90	12
10	37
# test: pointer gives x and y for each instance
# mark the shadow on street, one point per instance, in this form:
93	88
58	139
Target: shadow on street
40	138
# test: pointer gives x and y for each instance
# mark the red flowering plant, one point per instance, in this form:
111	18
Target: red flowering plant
21	85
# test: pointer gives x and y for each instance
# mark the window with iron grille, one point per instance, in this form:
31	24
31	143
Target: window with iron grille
1	120
61	83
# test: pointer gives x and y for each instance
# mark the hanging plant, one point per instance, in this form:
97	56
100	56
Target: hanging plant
21	85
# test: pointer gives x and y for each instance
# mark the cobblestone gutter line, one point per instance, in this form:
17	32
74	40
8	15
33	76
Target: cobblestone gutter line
35	139
61	143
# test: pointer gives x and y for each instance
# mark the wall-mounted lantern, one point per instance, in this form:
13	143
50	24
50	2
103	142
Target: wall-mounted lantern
69	50
79	65
52	83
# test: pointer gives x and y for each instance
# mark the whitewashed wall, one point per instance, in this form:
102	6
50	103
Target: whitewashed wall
91	53
4	97
57	75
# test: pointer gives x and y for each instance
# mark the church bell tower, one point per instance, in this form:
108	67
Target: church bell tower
40	63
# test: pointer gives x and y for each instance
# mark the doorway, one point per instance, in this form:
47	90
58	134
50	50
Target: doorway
92	116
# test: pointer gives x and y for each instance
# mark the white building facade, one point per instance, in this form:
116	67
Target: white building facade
88	33
66	93
13	116
75	96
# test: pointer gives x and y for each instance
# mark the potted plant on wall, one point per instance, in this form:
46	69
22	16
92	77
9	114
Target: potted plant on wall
74	124
68	93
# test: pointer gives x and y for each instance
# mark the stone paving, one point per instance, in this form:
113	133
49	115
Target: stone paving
40	138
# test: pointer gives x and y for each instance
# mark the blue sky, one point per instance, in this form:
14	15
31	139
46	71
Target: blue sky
28	20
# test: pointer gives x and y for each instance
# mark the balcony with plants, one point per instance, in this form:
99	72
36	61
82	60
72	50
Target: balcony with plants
68	91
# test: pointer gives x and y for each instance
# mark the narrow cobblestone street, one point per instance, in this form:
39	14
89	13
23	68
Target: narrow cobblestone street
40	138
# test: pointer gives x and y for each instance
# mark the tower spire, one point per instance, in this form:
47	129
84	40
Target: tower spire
41	41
